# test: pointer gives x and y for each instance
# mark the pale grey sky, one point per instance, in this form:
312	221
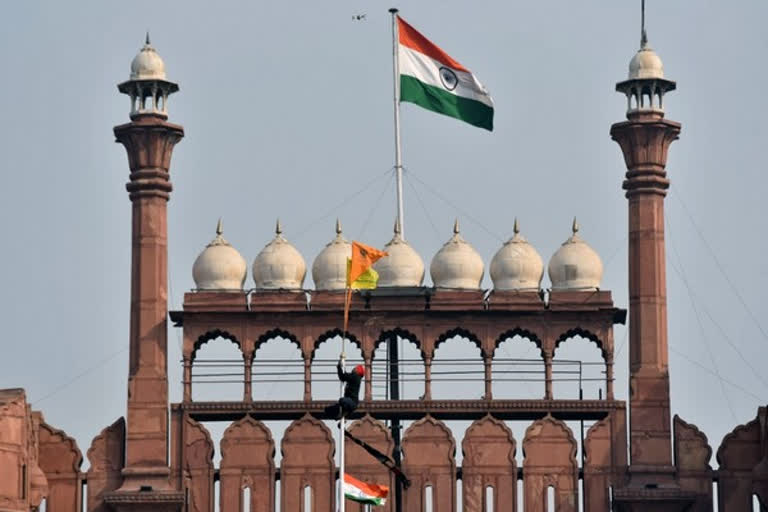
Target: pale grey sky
287	109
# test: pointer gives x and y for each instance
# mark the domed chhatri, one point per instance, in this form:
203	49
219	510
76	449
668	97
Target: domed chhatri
219	266
517	265
147	85
279	266
329	270
575	265
403	266
147	65
646	64
457	264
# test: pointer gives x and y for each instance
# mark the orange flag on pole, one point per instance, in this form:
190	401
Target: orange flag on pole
363	257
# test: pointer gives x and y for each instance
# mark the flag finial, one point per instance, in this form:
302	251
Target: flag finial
456	226
516	227
278	227
219	228
146	41
575	226
338	226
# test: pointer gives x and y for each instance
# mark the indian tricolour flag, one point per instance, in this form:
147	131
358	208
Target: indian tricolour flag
429	77
362	492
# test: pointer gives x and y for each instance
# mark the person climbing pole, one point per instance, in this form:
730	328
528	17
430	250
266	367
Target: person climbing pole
349	401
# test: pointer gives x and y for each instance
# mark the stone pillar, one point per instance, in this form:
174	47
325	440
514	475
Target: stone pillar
187	397
368	378
149	140
307	378
644	139
487	361
427	377
247	374
547	375
609	395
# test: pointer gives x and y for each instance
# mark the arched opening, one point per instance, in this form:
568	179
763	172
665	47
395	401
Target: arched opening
518	369
550	499
488	506
578	370
277	365
428	499
458	371
306	504
246	499
325	381
218	371
409	368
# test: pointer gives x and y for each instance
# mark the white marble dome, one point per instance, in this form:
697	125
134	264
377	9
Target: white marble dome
575	265
646	64
517	265
147	65
279	266
457	264
402	267
219	266
329	270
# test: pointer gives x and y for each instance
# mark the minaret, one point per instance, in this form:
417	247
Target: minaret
149	140
644	139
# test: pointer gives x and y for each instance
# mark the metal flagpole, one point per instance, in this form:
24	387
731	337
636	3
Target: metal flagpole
398	156
342	422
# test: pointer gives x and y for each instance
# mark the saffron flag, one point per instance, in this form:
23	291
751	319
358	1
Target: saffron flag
362	492
430	78
359	271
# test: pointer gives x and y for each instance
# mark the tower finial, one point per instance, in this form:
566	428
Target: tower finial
575	226
456	226
146	41
643	35
219	228
338	226
516	227
278	228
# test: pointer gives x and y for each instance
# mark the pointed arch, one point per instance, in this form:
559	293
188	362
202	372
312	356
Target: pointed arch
212	335
518	331
277	333
583	333
459	331
400	332
327	335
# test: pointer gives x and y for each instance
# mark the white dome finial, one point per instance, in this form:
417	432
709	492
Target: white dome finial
219	266
575	265
402	267
329	270
517	265
279	266
457	264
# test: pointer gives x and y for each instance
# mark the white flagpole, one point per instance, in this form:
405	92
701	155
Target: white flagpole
398	156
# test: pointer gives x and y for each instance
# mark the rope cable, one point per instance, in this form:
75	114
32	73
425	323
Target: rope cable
720	267
701	326
456	207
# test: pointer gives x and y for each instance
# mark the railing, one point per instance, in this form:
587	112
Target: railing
409	374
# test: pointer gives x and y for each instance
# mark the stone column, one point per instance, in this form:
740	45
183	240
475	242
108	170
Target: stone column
547	375
644	139
247	374
487	361
368	378
427	377
187	379
149	142
307	378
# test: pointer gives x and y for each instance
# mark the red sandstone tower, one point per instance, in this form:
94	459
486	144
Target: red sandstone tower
149	140
644	139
